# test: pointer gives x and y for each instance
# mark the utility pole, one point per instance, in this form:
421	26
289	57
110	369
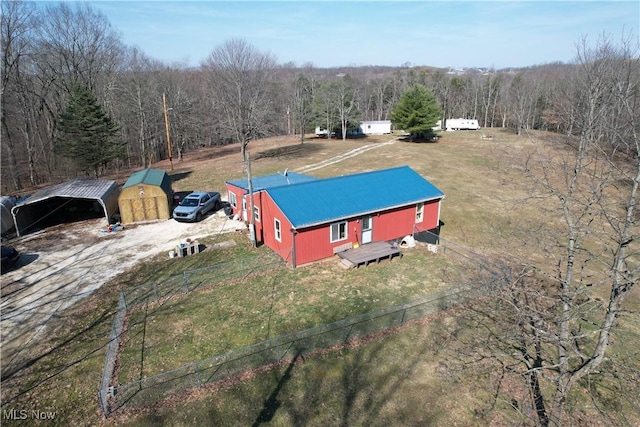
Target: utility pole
250	216
166	125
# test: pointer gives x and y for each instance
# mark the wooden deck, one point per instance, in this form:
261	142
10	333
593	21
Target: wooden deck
368	253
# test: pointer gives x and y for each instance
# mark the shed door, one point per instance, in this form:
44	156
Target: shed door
367	229
151	208
137	206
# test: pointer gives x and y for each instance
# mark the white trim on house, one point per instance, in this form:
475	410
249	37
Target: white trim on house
277	229
342	232
419	212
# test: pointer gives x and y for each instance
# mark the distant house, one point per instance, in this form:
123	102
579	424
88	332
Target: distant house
238	190
147	195
372	127
309	221
375	127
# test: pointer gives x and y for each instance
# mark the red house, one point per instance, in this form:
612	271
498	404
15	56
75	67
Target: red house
238	189
311	220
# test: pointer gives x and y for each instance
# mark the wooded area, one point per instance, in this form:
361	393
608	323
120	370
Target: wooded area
237	94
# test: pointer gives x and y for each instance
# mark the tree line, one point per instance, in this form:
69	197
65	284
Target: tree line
237	94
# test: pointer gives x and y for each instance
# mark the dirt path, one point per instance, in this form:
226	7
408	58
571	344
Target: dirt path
70	261
344	156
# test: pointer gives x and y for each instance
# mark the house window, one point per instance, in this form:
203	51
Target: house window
277	229
338	231
419	212
232	199
256	213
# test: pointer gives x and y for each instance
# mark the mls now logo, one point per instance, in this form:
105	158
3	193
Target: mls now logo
24	414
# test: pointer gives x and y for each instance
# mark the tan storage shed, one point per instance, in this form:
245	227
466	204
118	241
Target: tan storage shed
146	196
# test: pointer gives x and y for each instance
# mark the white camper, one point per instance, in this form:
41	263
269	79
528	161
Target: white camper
322	132
461	124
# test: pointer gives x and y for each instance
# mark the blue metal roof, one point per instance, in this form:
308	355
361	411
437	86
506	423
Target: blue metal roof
331	199
269	181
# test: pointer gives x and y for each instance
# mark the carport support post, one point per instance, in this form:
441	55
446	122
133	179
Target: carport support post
252	229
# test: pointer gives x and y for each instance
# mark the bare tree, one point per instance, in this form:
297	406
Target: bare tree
555	314
16	42
383	98
344	101
324	108
490	85
138	93
77	45
593	201
302	103
241	77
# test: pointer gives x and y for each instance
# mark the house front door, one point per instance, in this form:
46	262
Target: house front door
244	208
367	229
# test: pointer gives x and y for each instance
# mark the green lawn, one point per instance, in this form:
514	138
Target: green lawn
203	324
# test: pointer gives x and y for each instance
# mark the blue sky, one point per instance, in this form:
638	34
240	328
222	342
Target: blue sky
336	33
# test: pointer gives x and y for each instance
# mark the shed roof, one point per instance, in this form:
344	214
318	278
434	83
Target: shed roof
147	176
270	181
77	189
331	199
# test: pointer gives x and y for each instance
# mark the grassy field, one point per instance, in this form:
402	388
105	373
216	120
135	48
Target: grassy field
400	379
190	328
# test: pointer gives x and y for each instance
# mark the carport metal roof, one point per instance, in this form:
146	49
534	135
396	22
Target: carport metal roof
105	192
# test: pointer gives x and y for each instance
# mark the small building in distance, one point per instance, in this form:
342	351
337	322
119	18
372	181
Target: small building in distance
461	124
375	127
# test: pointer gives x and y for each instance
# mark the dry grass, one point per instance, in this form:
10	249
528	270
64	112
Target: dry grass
401	379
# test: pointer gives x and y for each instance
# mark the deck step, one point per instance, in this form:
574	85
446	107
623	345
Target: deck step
346	264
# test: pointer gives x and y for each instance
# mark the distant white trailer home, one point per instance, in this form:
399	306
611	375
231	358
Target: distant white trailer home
375	127
461	124
323	132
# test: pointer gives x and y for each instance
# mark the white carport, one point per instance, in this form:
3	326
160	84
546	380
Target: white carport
71	201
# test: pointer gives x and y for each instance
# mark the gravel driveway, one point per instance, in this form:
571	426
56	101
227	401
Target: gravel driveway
64	264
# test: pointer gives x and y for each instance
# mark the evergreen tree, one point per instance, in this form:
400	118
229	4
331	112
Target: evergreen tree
86	134
416	112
